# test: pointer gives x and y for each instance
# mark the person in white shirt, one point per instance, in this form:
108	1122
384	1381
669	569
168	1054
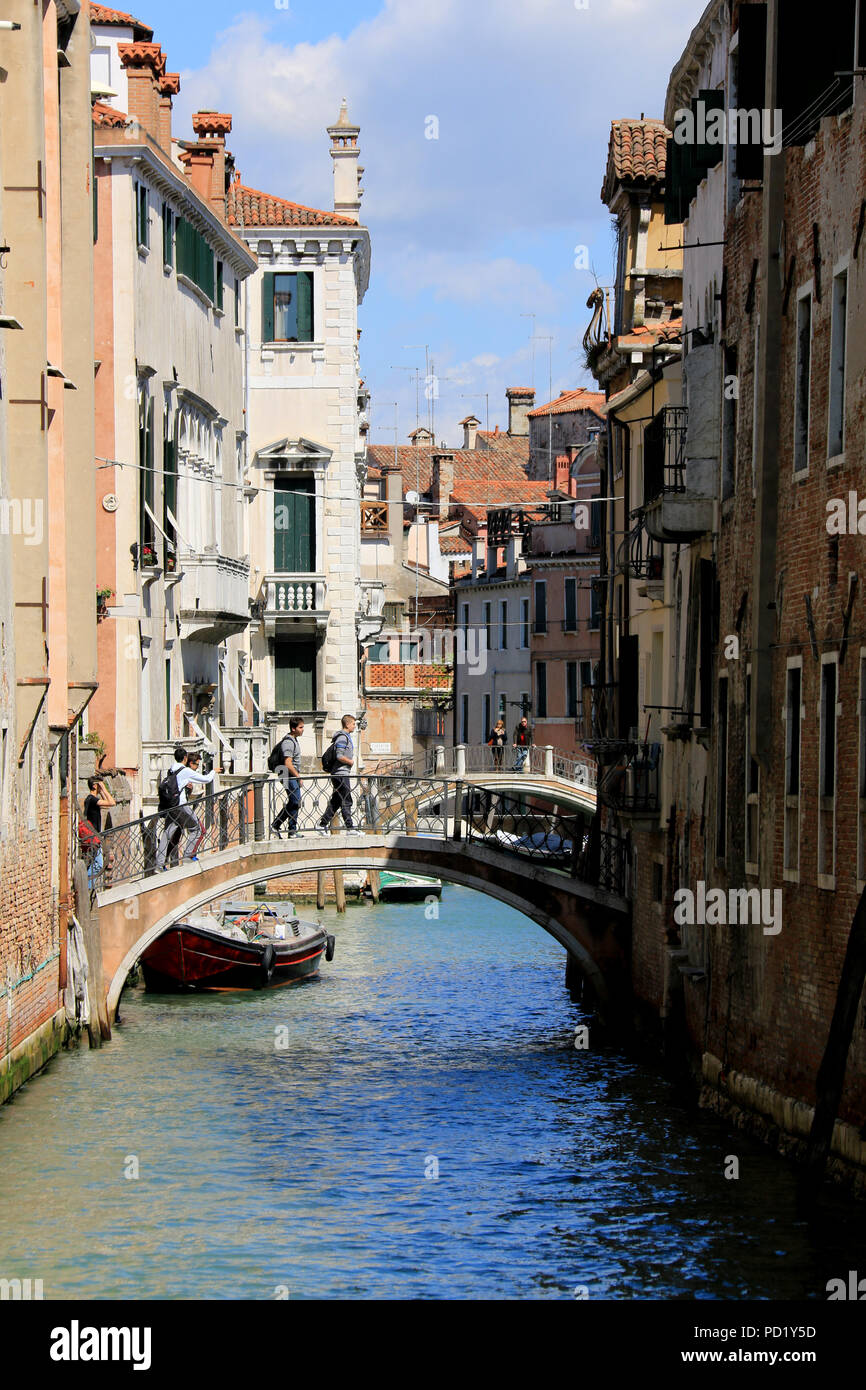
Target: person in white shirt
182	817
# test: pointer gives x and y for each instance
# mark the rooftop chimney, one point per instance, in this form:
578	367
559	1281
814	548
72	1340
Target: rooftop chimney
421	436
442	484
470	431
520	401
167	87
145	66
205	160
347	175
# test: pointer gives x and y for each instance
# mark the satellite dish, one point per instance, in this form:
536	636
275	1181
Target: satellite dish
413	498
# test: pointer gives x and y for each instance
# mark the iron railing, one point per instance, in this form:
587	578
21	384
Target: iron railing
664	459
405	803
469	758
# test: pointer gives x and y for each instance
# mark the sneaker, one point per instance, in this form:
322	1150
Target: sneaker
321	829
352	830
275	830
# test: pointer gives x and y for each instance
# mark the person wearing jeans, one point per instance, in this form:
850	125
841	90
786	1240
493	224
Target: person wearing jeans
290	776
522	743
181	817
341	797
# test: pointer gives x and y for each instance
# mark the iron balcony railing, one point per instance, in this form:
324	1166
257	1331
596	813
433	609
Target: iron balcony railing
640	556
406	804
664	453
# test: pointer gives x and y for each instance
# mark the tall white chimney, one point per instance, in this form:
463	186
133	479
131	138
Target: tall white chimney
345	154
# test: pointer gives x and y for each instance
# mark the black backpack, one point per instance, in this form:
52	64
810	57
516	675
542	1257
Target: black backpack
329	757
168	791
276	757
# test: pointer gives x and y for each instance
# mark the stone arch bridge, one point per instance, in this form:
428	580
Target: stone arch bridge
558	869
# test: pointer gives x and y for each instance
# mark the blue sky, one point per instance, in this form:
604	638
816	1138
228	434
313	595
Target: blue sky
471	232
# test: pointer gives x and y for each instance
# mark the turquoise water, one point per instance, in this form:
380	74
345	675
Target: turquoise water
286	1142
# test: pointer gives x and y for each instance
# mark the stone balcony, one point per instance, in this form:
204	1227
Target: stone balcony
214	596
369	608
293	604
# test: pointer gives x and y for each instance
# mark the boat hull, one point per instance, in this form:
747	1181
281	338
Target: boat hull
406	887
192	957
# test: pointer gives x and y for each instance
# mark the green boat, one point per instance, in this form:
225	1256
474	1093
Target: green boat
406	886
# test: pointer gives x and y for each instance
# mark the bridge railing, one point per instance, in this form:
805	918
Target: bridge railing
444	808
571	843
544	760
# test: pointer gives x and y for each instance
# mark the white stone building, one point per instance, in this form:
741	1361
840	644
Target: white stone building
305	405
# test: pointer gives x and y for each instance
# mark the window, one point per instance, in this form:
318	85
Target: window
525	702
169	492
801	382
146	528
838	325
393	615
168	721
295	675
295	527
540	606
594	524
751	783
571	707
486	721
571	605
195	259
541	690
218	303
141	216
730	387
464	718
793	723
595	607
722	772
464	617
488	624
756	398
503	625
379	652
503	706
287	307
167	236
237	303
524	623
658	881
827	773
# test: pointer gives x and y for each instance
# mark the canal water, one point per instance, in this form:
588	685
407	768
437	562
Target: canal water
415	1124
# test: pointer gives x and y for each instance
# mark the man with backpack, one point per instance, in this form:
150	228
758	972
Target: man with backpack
338	760
285	759
178	814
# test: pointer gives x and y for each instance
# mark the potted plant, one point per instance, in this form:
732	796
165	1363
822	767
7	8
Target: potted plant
102	597
148	557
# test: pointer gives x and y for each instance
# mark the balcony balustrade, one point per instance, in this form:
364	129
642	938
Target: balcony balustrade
293	603
214	596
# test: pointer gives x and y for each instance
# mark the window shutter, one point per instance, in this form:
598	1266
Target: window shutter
708	155
751	76
167	239
571	605
305	306
268	307
672	183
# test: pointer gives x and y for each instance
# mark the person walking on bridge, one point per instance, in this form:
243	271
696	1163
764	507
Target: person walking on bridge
289	772
338	760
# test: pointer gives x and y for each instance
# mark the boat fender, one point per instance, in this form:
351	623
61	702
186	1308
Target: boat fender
269	957
329	947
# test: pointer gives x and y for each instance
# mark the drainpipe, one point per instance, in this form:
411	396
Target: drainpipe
767	444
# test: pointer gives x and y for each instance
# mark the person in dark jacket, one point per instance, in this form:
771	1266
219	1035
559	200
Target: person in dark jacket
290	776
522	743
497	741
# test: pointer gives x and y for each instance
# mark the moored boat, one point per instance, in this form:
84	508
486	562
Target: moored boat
248	949
393	885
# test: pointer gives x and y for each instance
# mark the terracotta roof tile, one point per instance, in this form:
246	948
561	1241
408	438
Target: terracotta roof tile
101	14
496	471
568	401
251	208
454	545
104	115
636	153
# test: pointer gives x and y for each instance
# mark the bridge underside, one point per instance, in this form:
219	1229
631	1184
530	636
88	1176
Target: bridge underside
592	925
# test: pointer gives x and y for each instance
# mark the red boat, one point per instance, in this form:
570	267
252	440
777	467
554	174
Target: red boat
248	951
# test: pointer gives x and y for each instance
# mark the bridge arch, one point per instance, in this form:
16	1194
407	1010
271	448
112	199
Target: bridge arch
546	898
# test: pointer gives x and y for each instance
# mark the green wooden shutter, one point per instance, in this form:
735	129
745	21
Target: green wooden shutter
707	155
167	237
571	605
268	307
283	517
294	672
305	306
294	527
